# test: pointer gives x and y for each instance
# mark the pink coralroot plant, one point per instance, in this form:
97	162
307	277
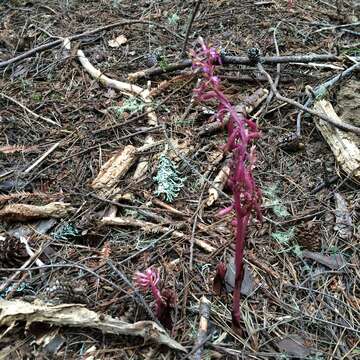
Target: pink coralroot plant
241	133
164	301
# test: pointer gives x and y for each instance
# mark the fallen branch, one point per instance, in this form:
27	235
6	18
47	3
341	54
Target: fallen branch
334	122
74	315
119	85
153	228
322	89
41	158
191	20
60	41
235	60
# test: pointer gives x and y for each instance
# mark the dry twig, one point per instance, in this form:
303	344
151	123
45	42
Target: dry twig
36	116
204	311
340	125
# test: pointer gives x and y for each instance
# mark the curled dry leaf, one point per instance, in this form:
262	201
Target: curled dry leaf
118	41
74	315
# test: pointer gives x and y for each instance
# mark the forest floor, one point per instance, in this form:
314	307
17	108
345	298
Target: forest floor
59	126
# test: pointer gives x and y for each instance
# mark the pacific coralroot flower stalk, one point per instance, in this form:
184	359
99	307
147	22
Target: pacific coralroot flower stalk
165	301
241	133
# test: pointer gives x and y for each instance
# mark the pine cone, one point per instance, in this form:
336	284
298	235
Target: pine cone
291	142
254	55
308	237
60	292
12	252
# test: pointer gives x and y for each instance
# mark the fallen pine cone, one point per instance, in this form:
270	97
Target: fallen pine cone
12	252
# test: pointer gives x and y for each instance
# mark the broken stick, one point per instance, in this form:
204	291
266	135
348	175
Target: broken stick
204	311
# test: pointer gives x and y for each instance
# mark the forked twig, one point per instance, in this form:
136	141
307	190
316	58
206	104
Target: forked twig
323	88
342	126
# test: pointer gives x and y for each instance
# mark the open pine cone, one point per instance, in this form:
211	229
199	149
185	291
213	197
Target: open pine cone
12	252
308	236
61	292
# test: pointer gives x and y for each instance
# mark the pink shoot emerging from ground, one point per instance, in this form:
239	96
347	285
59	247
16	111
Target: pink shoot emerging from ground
219	286
241	133
164	301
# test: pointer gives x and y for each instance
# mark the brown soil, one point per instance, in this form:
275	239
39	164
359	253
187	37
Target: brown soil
295	306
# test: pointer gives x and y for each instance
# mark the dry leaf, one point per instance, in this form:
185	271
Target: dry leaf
334	262
294	345
248	283
74	315
118	41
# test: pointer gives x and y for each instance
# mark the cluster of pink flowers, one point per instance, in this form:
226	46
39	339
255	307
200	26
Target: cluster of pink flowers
164	300
241	133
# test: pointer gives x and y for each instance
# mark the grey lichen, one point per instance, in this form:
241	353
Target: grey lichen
168	181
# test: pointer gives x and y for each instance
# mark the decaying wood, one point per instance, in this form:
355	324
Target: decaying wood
143	164
74	315
344	145
344	225
154	228
114	169
219	183
117	166
25	212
